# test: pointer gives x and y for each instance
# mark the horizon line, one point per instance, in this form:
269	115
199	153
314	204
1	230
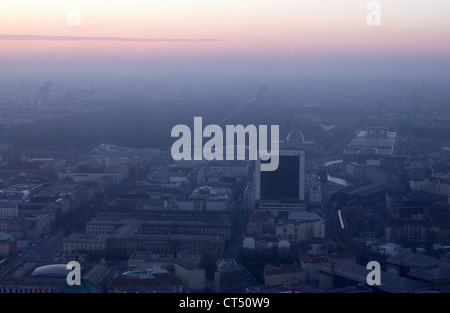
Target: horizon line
89	38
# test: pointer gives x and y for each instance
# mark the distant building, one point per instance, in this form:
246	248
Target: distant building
21	279
35	168
76	193
192	277
372	143
437	186
59	272
438	232
296	140
8	245
249	197
406	230
369	172
150	280
344	274
8	209
172	177
20	192
214	177
209	193
287	182
6	152
311	264
38	225
301	226
413	205
432	271
44	93
285	273
55	206
389	249
280	208
228	276
122	237
260	223
231	169
265	246
100	275
87	244
13	226
405	262
315	195
83	173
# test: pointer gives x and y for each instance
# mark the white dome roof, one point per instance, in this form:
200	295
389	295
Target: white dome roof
295	136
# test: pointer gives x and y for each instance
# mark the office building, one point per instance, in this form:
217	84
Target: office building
287	182
228	276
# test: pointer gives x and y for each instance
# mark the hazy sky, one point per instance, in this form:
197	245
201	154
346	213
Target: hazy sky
262	36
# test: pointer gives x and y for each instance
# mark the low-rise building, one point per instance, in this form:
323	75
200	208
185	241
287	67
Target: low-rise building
228	276
38	225
406	230
192	277
311	263
76	193
118	173
8	209
434	272
341	274
284	274
301	226
88	244
150	280
8	244
13	226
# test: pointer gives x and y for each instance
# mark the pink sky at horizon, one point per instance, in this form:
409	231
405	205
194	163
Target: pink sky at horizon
283	27
253	36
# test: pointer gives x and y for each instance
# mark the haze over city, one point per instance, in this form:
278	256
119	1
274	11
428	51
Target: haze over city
92	91
238	38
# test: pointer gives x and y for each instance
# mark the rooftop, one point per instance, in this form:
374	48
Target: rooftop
304	216
414	260
6	236
53	270
315	258
283	268
156	280
147	257
390	282
226	264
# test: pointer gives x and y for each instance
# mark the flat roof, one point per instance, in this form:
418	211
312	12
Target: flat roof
146	257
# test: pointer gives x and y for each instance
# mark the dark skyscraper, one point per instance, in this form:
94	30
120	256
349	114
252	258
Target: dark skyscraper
287	182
